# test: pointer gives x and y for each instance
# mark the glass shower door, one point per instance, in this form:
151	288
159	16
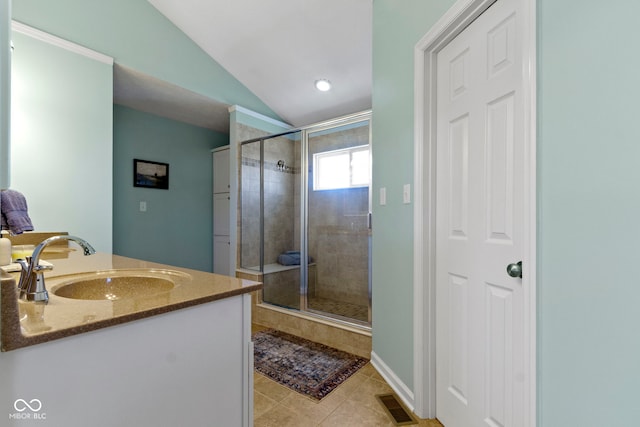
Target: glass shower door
281	174
270	215
338	232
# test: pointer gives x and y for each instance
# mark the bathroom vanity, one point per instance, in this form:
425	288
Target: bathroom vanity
174	355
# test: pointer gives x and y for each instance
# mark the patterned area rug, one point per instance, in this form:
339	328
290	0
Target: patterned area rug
306	367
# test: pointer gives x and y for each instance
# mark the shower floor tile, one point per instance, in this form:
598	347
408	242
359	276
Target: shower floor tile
324	306
340	308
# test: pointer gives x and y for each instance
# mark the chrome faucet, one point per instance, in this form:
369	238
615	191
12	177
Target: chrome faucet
31	284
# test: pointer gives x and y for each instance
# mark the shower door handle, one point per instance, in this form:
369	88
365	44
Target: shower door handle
369	221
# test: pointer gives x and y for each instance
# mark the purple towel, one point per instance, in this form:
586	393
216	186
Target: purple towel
14	212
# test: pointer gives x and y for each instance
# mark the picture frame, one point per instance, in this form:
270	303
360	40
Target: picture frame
150	174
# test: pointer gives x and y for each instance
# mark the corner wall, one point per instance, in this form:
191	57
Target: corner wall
177	228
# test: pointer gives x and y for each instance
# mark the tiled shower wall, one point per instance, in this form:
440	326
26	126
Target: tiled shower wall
278	198
338	234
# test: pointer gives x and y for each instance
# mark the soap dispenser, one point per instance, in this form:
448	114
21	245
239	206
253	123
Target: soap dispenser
5	250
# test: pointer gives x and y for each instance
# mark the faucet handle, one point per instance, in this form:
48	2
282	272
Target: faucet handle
24	271
40	267
23	263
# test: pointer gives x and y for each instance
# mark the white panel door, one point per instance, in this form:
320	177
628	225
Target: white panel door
479	224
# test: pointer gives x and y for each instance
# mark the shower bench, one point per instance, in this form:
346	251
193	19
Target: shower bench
281	282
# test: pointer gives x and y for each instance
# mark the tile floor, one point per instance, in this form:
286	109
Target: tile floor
352	404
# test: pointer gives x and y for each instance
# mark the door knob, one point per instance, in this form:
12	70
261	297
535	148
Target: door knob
515	269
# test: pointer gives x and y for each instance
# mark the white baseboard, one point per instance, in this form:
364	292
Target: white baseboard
392	379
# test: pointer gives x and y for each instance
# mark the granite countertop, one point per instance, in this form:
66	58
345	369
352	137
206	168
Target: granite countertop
27	323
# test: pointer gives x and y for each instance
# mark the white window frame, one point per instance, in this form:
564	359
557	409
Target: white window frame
324	154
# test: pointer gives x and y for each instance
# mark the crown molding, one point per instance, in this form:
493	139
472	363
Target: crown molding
59	42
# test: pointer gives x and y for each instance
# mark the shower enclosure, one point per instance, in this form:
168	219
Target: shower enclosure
305	218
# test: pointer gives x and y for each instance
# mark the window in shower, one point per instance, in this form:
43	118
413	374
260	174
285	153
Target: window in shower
344	168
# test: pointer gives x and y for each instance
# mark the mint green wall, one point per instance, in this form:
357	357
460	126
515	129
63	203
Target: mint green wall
61	139
589	213
589	209
135	34
177	227
397	26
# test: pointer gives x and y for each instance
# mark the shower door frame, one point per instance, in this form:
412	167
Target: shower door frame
304	217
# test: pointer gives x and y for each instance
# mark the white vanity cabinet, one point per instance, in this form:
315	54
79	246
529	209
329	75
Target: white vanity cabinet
178	357
189	367
221	211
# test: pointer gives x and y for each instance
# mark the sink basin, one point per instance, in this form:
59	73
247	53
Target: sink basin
116	284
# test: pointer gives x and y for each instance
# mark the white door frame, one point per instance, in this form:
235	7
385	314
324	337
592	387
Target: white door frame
461	14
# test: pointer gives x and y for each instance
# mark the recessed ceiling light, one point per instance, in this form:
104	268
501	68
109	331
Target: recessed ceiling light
323	85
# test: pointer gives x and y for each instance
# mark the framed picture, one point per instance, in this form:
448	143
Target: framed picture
150	174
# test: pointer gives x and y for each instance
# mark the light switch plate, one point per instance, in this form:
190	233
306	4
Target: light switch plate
406	193
383	196
143	206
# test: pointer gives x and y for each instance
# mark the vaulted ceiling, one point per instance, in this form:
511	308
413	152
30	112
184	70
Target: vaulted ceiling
279	48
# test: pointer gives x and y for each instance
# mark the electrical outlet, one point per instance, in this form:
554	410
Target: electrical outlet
143	206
